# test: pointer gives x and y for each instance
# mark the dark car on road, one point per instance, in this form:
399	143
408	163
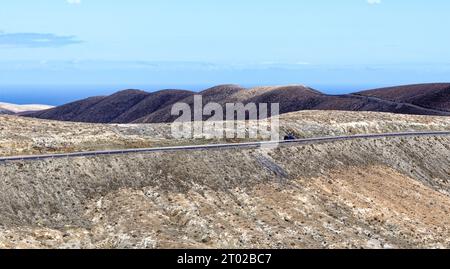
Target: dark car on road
290	137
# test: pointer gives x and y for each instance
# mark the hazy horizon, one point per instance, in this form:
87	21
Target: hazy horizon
329	45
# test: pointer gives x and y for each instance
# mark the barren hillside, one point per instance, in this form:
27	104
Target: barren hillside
380	193
435	96
375	193
24	136
132	106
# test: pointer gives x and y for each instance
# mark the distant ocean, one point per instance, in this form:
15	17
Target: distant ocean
62	94
58	95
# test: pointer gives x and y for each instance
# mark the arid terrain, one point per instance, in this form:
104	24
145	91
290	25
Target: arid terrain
366	193
25	136
137	106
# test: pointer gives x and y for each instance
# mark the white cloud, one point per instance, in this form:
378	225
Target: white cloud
36	40
73	2
374	2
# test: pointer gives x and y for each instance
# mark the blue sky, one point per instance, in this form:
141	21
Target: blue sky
178	42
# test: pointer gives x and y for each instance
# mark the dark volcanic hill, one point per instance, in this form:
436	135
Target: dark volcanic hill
6	112
95	109
152	103
69	112
291	98
432	96
122	107
133	106
219	94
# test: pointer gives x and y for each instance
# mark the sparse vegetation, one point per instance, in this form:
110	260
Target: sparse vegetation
25	136
378	193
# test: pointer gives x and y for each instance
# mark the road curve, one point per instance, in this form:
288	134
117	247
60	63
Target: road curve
221	146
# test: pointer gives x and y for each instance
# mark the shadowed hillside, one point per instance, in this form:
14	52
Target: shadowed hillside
433	96
151	104
134	106
219	94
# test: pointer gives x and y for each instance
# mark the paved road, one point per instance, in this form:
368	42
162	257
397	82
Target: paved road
221	146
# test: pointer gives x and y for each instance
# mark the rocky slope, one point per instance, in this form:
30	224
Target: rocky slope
24	136
132	106
381	193
376	193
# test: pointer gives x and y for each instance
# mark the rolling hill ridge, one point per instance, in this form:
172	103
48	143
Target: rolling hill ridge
135	106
